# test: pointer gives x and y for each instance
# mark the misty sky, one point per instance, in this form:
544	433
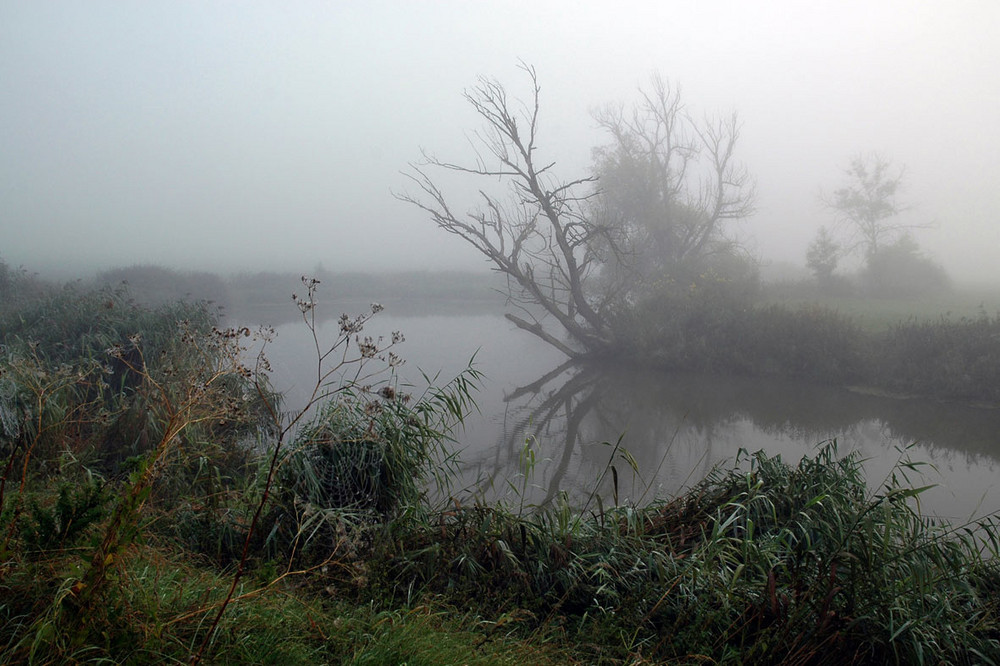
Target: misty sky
252	135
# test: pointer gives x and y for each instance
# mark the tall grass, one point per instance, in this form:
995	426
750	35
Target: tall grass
764	563
125	425
955	358
159	504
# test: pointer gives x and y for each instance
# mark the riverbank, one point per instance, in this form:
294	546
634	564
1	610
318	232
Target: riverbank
157	505
937	357
940	348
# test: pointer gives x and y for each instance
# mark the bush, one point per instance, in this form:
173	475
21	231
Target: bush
366	458
714	333
944	359
952	359
809	343
759	564
901	271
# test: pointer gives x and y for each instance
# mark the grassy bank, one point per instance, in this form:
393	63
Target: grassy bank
880	314
930	349
159	504
787	330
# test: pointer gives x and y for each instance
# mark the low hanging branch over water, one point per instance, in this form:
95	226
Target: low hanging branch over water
536	232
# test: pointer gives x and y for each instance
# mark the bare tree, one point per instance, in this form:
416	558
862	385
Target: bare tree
867	204
570	251
536	232
669	183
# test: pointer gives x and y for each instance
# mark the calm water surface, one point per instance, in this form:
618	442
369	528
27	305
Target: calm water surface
676	427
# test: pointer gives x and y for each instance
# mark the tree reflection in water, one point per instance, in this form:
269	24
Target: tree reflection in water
678	426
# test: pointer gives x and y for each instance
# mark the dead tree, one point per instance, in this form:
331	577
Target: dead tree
573	253
536	231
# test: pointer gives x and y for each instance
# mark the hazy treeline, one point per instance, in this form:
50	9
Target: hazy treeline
401	292
721	322
938	356
267	294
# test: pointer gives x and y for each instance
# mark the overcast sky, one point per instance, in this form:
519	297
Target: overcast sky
230	136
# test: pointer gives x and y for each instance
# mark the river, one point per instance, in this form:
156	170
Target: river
675	427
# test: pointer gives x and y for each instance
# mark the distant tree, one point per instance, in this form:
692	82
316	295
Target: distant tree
822	257
867	203
668	185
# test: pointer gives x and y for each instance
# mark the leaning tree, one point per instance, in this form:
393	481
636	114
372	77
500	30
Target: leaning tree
563	243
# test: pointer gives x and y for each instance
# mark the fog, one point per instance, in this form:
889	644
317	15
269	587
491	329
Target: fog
228	137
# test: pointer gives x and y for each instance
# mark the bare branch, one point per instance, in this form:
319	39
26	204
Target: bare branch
540	236
867	203
669	185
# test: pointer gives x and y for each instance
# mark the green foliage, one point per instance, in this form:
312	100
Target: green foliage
704	329
90	377
77	508
350	558
769	563
956	359
187	437
808	343
708	330
355	456
367	457
75	323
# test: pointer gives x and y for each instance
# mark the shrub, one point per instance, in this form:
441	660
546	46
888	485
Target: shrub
901	271
77	507
721	335
367	457
761	563
809	343
952	359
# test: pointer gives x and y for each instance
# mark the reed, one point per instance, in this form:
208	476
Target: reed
764	563
158	503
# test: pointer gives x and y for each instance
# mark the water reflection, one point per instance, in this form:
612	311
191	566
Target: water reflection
678	426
